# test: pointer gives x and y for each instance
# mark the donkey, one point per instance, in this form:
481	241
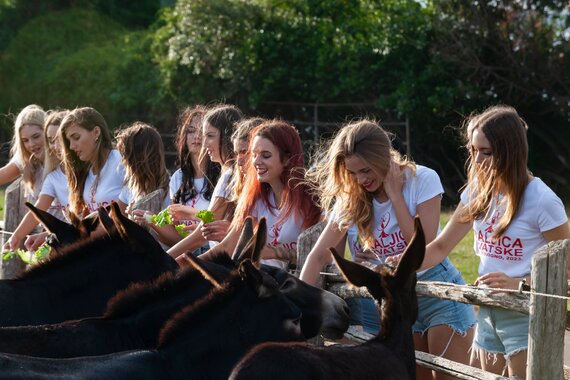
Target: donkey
134	316
79	280
62	233
389	355
203	340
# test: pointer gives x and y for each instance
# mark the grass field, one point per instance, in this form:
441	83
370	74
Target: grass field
463	256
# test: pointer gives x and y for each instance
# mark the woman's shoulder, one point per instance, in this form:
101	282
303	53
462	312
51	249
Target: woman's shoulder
537	189
422	176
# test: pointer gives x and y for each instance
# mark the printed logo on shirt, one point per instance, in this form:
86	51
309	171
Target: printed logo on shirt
385	244
92	207
502	248
273	234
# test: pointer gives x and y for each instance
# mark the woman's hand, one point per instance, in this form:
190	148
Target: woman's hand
34	241
13	243
216	230
497	280
140	216
365	256
394	181
182	212
393	261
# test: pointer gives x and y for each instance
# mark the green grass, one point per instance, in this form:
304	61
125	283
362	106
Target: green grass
463	255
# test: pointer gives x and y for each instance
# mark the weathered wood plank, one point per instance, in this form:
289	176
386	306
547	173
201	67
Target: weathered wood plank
14	211
458	370
461	293
548	314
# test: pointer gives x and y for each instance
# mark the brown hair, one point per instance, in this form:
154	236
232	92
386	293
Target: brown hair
142	151
508	172
76	170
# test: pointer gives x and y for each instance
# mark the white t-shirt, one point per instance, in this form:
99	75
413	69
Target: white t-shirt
221	190
284	233
540	210
198	201
388	238
55	185
109	186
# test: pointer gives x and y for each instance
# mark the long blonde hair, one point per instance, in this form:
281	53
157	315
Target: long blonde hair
29	115
76	170
337	188
142	150
506	132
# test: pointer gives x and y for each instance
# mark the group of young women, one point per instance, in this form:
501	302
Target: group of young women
366	192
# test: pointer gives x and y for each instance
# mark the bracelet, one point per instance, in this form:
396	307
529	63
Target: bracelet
523	286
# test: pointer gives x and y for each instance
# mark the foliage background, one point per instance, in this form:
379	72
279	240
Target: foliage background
431	62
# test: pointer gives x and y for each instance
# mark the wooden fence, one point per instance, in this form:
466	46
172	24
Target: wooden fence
545	303
14	211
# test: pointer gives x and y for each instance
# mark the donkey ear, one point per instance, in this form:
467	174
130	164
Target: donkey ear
65	232
252	250
89	223
260	240
357	274
137	237
244	238
200	266
254	279
413	255
105	220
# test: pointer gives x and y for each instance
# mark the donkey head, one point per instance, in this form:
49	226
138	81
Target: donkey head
63	233
323	312
395	289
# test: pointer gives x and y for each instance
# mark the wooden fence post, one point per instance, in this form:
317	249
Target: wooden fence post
547	314
14	211
305	243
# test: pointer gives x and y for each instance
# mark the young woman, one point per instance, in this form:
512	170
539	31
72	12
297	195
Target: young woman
189	190
371	195
512	214
218	126
54	194
95	172
142	150
274	188
218	229
27	152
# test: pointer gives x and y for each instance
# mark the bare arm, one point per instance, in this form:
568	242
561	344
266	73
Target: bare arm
559	233
195	240
28	223
442	245
320	255
8	173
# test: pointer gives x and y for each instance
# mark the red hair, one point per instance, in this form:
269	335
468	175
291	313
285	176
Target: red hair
296	199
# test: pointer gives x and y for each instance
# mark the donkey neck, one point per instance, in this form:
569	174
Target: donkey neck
399	339
213	341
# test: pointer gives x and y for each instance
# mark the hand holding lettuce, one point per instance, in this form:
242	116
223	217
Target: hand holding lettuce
29	257
164	218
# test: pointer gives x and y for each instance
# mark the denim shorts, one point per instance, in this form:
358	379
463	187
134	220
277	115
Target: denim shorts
431	311
435	311
501	331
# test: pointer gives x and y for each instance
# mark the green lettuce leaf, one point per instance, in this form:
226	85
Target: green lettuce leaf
206	216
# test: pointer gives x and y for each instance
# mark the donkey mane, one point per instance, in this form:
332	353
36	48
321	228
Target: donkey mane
200	311
139	294
385	309
70	254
